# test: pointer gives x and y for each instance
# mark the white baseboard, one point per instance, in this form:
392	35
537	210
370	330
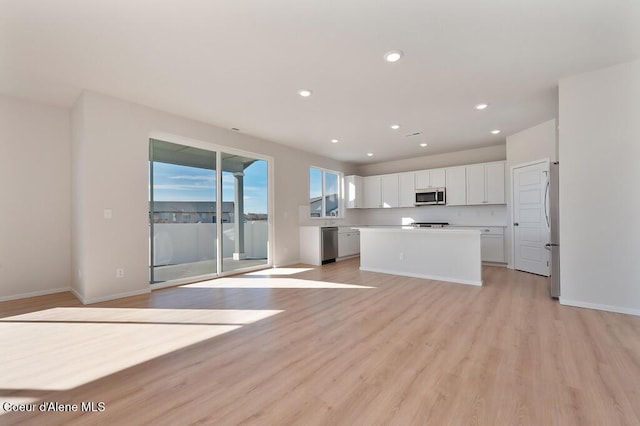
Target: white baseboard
34	293
498	264
340	259
427	277
599	307
88	301
287	262
77	295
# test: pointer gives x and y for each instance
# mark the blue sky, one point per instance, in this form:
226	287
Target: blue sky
315	183
183	183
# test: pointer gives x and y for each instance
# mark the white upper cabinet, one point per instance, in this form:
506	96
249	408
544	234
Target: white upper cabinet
456	186
380	191
438	178
407	189
372	192
494	176
422	179
434	178
485	183
390	194
475	184
353	192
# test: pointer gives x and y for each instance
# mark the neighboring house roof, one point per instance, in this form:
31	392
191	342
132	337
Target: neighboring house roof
331	202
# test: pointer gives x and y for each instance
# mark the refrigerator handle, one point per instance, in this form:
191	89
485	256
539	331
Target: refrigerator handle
546	214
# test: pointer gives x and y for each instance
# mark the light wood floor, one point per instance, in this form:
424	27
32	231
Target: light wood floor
407	351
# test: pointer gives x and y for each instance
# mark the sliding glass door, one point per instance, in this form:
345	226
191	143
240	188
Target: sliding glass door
189	209
245	197
182	210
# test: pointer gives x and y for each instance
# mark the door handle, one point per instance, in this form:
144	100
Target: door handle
516	224
548	246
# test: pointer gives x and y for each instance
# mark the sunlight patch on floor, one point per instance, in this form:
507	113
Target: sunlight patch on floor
148	315
270	283
279	271
49	350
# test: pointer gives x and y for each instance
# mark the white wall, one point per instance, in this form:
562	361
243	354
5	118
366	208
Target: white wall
599	152
112	152
36	199
536	143
470	156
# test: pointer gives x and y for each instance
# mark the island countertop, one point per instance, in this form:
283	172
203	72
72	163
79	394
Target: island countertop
413	228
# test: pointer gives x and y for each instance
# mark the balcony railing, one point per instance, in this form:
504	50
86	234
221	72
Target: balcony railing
176	243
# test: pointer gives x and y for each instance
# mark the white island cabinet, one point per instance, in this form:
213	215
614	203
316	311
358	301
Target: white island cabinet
452	255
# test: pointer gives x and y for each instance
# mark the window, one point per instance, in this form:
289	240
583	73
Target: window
324	192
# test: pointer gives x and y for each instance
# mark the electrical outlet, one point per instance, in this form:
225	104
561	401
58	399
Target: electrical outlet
401	256
108	213
120	273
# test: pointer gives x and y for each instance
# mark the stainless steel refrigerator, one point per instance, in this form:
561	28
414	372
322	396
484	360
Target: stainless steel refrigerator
551	212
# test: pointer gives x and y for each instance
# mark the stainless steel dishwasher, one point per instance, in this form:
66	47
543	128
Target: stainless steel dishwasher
329	244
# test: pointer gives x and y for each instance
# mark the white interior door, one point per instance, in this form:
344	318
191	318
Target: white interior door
530	228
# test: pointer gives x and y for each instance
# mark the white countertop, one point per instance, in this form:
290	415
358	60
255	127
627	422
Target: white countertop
401	226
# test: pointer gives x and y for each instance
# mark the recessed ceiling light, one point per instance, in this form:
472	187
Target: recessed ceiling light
395	126
423	145
481	106
334	141
495	132
370	154
393	56
304	93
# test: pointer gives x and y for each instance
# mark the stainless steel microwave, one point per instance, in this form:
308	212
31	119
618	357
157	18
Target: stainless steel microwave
430	196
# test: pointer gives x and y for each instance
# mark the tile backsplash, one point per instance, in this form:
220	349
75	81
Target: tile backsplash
491	215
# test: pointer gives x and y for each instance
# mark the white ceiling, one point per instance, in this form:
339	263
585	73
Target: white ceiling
239	63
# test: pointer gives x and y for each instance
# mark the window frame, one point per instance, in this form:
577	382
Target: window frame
340	209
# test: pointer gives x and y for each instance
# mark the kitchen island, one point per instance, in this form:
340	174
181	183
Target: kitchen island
451	255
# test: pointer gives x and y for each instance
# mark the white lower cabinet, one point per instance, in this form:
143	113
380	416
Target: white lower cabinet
348	242
310	245
492	247
491	243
